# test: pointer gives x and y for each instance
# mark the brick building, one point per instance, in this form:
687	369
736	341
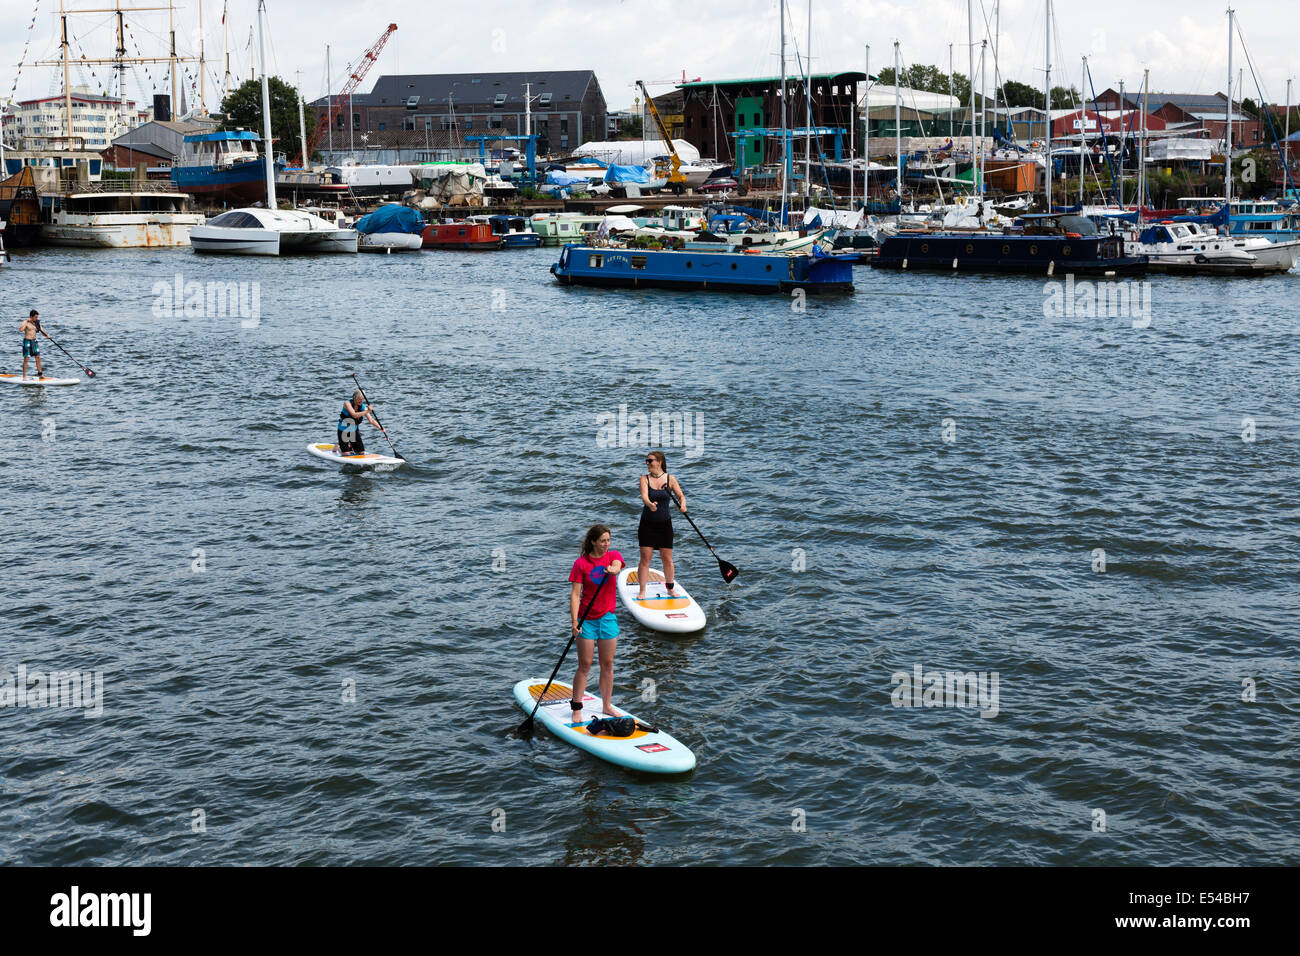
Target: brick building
568	109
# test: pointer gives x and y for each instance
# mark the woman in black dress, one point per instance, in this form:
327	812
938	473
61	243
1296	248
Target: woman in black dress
655	532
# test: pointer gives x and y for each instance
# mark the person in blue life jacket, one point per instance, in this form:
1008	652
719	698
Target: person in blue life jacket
354	412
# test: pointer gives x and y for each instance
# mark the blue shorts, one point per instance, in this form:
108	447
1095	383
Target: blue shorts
601	629
31	347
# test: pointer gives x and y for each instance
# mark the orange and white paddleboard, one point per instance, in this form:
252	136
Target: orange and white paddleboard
327	451
12	378
658	610
652	751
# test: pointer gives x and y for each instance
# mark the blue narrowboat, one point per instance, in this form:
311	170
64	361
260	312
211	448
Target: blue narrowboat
711	271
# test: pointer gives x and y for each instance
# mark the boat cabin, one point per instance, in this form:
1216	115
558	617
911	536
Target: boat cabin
1057	224
219	150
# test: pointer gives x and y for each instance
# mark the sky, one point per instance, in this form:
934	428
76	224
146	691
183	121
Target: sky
1183	42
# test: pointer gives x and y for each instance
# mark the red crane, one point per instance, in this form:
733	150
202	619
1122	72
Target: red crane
368	60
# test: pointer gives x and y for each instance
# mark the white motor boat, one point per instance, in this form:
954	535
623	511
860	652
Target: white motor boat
1188	248
253	231
152	215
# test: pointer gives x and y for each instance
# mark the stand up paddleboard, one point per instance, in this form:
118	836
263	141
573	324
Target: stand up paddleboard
659	610
650	752
327	451
14	378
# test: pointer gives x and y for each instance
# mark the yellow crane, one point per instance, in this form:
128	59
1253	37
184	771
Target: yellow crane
675	177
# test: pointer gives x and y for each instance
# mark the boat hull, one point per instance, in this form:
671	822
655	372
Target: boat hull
240	185
389	242
120	232
235	242
702	271
1025	255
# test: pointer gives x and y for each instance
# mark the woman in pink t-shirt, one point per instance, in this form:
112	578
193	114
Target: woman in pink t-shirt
599	631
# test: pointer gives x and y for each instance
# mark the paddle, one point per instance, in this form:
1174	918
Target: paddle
89	373
729	571
381	424
527	726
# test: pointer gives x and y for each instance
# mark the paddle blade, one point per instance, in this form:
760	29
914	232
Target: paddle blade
525	730
729	571
89	373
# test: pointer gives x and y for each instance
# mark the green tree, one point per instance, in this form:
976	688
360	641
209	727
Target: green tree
920	76
630	128
1013	94
243	108
1066	98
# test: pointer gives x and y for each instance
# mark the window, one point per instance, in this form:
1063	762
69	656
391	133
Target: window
544	100
412	102
499	101
383	126
564	142
469	122
758	119
596	261
564	126
638	262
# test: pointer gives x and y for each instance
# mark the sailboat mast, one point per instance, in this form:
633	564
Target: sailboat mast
225	22
784	140
1286	137
266	107
970	51
984	110
898	126
1227	133
1123	141
853	122
67	88
203	85
329	101
807	95
1047	107
1083	121
302	125
171	32
866	130
1142	143
120	65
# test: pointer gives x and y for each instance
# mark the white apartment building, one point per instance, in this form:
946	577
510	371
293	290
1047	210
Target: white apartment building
96	121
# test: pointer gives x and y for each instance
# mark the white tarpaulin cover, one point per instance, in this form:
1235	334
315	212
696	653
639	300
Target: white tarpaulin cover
841	219
636	152
447	182
1179	150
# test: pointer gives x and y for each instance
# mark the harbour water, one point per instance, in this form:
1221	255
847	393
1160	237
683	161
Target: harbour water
1096	514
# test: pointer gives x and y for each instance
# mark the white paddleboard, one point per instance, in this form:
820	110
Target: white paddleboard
652	753
16	378
659	610
328	451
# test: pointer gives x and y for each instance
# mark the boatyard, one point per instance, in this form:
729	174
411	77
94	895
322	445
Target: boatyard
843	459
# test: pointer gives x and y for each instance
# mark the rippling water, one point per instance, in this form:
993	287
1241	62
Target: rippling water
918	475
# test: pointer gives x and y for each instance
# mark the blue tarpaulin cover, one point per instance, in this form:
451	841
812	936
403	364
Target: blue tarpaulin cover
557	178
391	218
627	174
